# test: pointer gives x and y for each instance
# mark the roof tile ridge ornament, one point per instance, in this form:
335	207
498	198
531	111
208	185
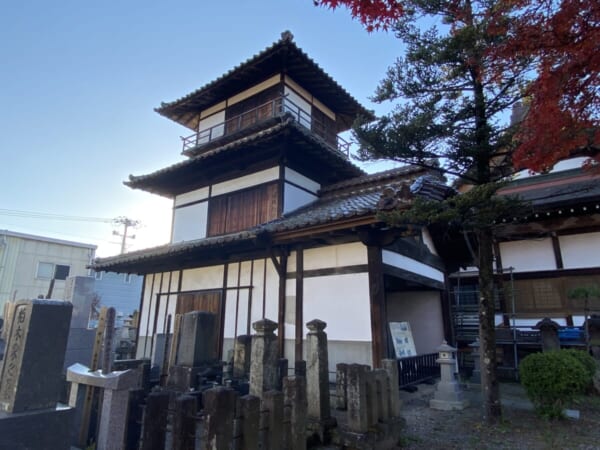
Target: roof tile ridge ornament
394	196
287	36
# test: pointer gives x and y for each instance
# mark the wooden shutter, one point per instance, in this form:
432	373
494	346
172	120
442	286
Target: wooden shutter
209	301
244	209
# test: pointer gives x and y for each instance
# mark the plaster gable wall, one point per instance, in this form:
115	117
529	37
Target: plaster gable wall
528	256
580	250
411	265
332	256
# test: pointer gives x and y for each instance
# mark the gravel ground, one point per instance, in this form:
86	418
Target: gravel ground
520	428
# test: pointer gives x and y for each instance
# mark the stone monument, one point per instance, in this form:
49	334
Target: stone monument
30	416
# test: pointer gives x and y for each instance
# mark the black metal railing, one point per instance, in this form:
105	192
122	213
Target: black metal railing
418	369
273	108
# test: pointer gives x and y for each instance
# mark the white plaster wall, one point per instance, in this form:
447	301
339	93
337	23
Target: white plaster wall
351	254
428	241
343	302
229	319
216	120
527	256
202	278
299	179
294	198
253	179
191	197
411	265
423	310
174	281
580	250
272	298
190	222
146	305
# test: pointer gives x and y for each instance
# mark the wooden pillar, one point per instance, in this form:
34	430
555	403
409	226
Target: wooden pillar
281	314
379	344
299	303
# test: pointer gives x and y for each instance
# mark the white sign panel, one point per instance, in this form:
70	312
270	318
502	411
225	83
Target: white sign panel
404	345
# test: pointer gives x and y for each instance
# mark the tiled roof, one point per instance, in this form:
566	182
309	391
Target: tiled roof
342	201
266	63
152	182
556	189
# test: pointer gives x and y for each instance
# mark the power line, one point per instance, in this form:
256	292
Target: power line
49	216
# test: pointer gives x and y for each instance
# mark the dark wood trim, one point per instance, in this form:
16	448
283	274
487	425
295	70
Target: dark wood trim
195	202
223	311
193	291
299	303
472	277
379	342
344	270
249	324
264	297
139	324
237	298
557	253
156	310
281	181
148	318
180	281
167	304
281	306
555	273
413	277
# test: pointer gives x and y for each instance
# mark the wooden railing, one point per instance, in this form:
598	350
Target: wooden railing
273	108
417	369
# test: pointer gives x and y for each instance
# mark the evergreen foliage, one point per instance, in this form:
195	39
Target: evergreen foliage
553	379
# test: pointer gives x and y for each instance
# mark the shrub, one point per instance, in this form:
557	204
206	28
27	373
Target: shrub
586	360
553	379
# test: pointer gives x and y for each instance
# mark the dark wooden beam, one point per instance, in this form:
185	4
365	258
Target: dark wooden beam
281	308
379	344
557	253
299	303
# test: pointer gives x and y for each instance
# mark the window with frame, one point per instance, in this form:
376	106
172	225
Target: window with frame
47	271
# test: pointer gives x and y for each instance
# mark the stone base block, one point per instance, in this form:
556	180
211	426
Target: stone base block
383	436
183	378
37	430
321	429
445	405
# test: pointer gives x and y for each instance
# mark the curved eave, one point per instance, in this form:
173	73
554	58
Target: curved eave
195	172
282	56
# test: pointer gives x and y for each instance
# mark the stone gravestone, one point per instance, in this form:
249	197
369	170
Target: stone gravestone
30	377
196	350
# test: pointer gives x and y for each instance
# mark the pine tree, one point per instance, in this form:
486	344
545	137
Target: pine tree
451	115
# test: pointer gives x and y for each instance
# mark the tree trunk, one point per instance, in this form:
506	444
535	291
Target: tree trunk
487	335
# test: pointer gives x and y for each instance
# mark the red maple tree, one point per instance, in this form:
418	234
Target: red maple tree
563	110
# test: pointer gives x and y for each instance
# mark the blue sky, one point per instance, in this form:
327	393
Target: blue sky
79	82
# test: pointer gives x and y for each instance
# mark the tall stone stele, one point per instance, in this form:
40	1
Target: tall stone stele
31	377
317	370
264	358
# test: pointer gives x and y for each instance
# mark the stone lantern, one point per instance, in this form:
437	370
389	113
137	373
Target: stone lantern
448	395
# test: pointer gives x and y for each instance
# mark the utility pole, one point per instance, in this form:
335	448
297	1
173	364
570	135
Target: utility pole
127	223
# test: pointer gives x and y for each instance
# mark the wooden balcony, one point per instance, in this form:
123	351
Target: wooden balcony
274	108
